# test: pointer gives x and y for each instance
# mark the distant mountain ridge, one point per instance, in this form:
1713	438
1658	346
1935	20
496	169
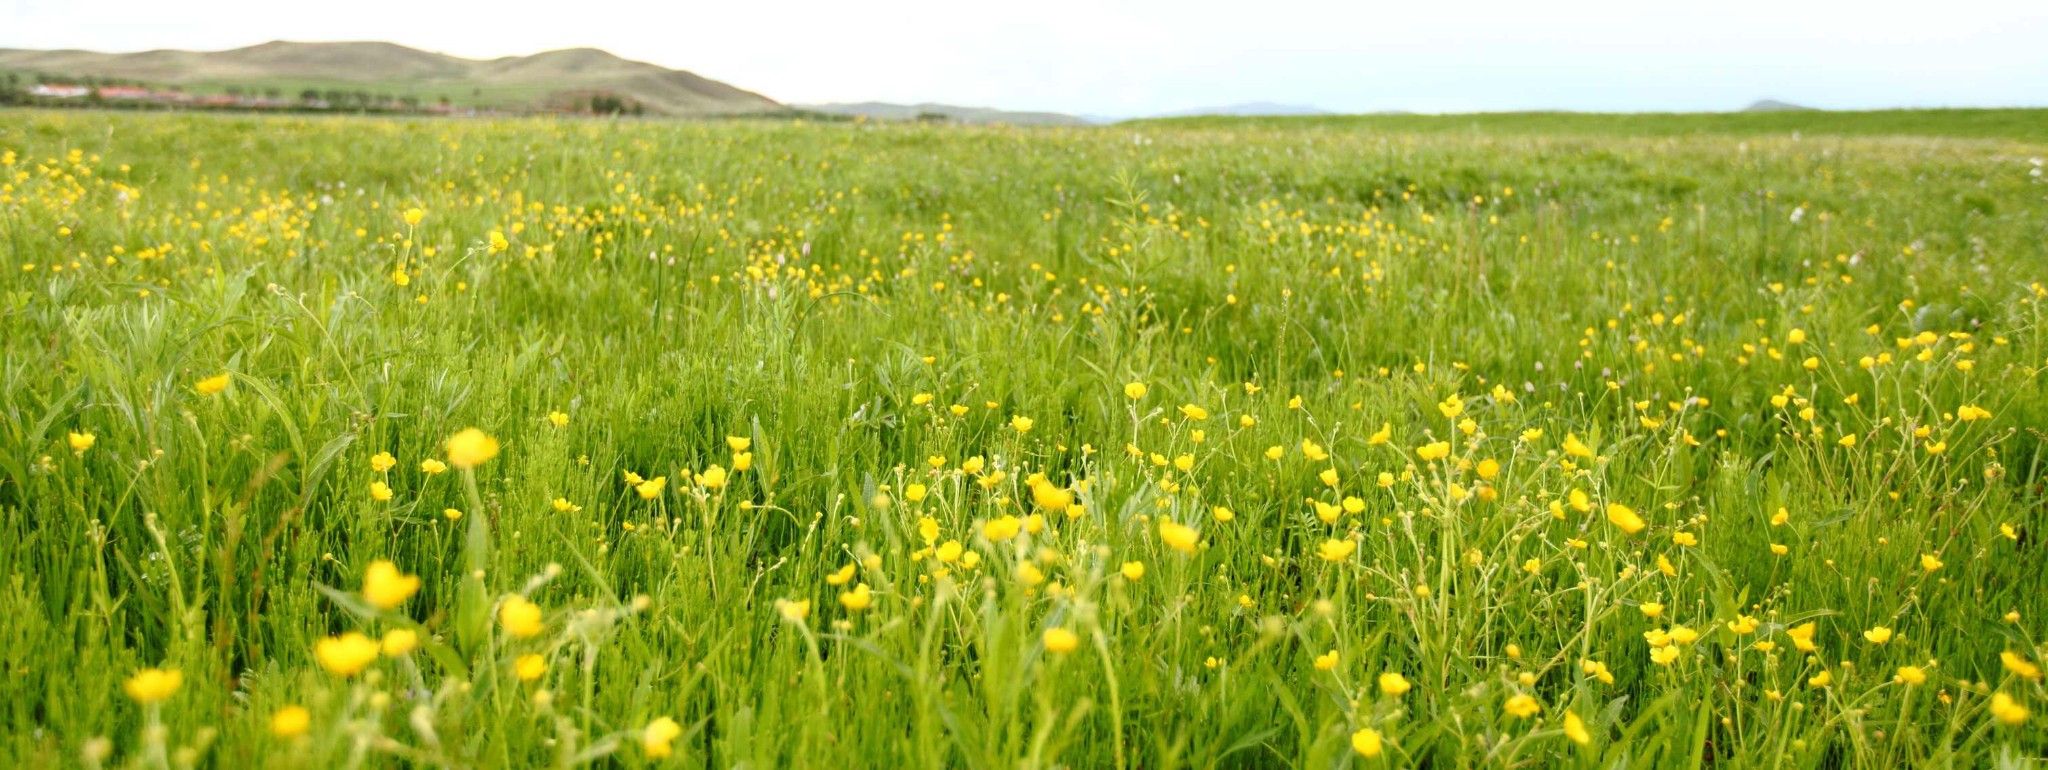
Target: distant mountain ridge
512	82
947	112
1773	105
1261	109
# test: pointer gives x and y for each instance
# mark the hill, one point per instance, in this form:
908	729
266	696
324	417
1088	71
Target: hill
947	112
543	80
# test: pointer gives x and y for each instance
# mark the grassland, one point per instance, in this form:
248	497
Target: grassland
2020	124
1321	443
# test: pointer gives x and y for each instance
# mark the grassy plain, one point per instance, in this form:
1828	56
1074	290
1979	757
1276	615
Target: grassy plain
1315	442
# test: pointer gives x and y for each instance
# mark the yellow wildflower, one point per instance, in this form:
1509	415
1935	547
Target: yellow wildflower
153	685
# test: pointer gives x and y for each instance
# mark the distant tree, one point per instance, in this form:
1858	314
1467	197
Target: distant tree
613	104
335	97
273	93
309	95
235	91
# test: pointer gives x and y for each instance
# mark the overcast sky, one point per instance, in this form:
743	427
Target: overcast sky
1132	57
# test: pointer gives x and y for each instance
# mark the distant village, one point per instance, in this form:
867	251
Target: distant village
53	92
48	91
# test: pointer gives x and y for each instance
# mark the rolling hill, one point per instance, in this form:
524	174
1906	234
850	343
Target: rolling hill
516	82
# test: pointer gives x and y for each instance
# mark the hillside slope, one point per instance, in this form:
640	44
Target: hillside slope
514	82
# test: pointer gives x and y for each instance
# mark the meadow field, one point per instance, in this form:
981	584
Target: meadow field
1464	442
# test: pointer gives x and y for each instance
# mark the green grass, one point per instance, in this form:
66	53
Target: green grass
1709	311
2022	124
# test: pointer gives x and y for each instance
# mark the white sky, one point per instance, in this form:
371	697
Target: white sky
1133	57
